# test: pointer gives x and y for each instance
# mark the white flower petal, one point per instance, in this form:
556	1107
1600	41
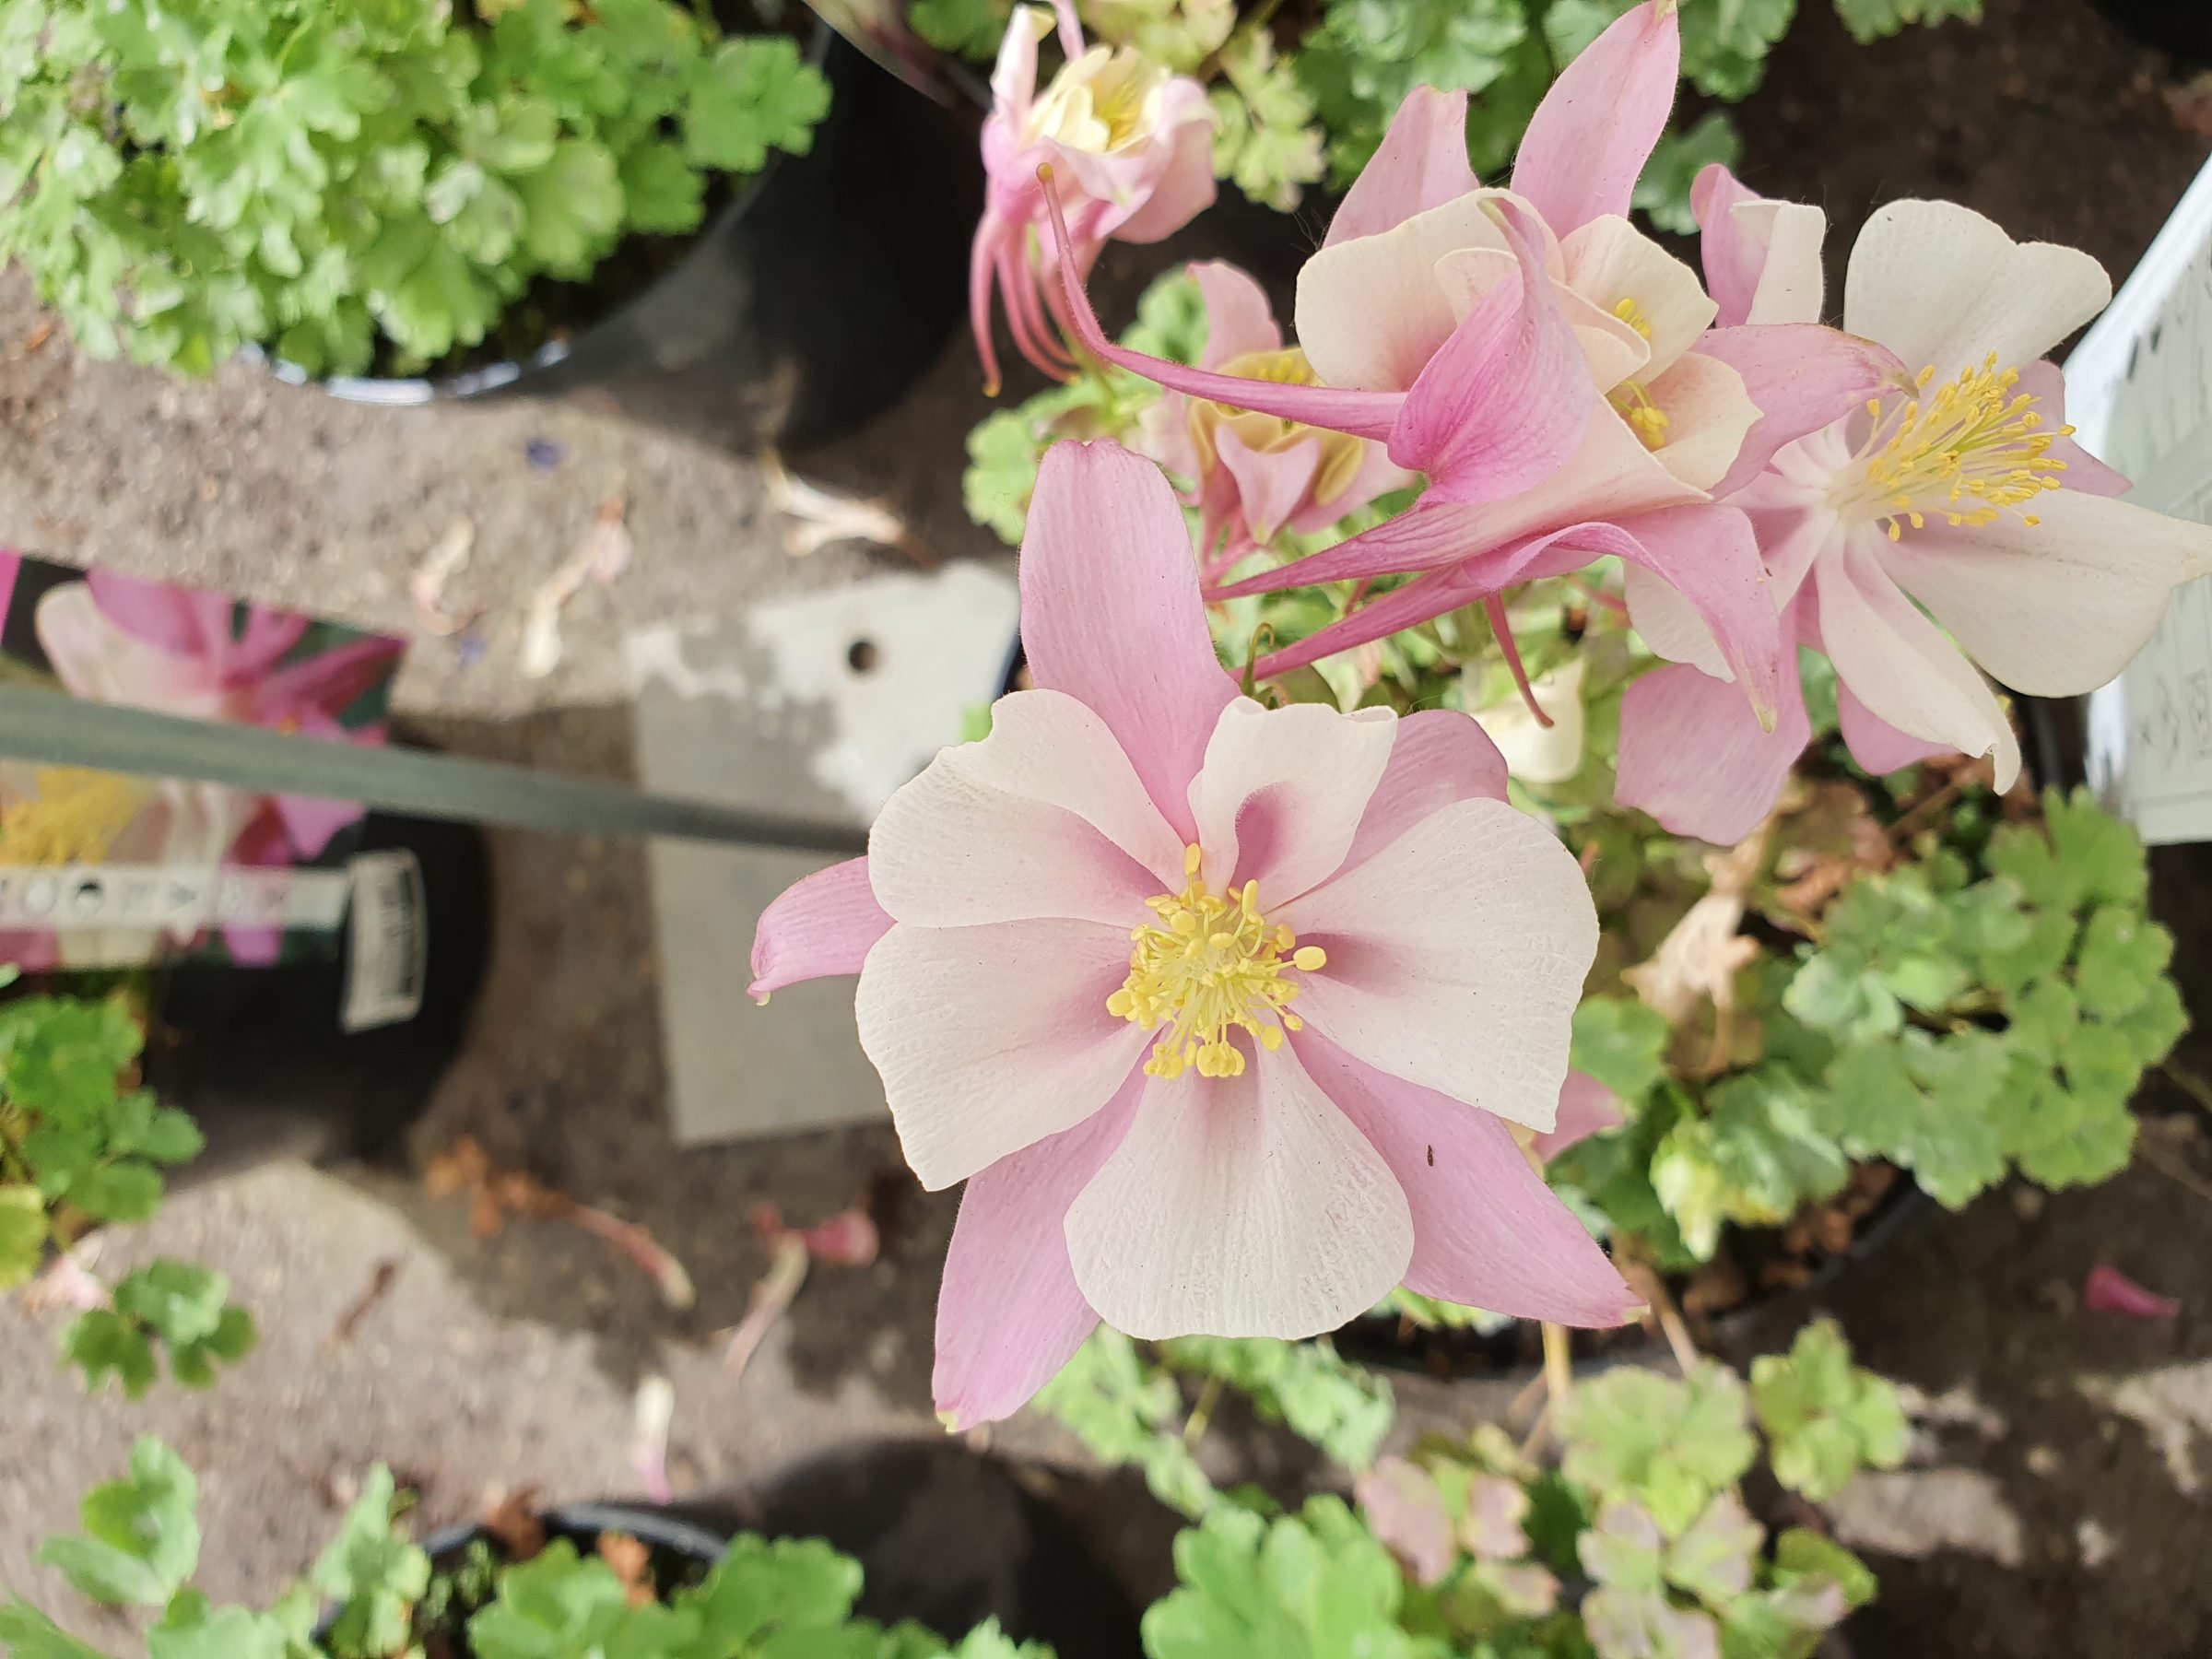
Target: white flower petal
1609	261
1939	284
1455	959
2057	607
989	1039
1281	794
1899	662
1045	816
1238	1207
1371	313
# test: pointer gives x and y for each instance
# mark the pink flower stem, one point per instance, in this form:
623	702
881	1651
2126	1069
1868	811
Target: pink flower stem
1504	629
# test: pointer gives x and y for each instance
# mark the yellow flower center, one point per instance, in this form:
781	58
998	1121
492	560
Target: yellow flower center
1971	451
74	817
1645	418
1104	101
1212	964
1340	454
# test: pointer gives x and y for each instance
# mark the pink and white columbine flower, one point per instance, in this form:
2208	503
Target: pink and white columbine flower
1129	144
1222	1012
1957	488
1639	414
1255	476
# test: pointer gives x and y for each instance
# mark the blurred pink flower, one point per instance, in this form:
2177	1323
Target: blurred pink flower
1956	488
1256	475
1131	150
1222	1011
148	644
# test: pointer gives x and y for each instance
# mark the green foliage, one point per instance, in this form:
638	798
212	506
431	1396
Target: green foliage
1663	193
1182	34
764	1599
1366	55
1620	1042
1129	1413
2003	1023
1825	1417
1667	1446
373	1573
141	1539
189	178
970	28
1314	1585
179	1308
1005	450
1870	21
1753	1157
1341	1408
1265	141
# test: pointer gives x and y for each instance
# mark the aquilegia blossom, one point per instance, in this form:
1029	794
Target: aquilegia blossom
1957	488
1420	251
1255	476
1222	1011
1131	146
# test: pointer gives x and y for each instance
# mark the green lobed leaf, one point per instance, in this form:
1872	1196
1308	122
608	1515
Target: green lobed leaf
23	1234
1825	1417
103	1344
1343	1409
1663	1444
27	1633
1622	1044
372	1572
1663	193
141	1538
752	96
1871	20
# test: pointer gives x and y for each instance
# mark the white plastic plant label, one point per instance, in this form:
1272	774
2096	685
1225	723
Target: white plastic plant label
2139	391
389	950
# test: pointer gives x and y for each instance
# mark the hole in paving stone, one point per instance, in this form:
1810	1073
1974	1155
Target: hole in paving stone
863	655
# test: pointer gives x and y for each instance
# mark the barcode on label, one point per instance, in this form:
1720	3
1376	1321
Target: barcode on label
389	944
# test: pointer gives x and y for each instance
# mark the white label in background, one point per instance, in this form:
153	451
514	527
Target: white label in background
178	901
2139	392
390	946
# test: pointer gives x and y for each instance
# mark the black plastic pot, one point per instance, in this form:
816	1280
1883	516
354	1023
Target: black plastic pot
809	303
944	1536
1509	1353
2181	27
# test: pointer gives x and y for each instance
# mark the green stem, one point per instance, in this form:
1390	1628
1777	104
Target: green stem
1209	1396
2189	1082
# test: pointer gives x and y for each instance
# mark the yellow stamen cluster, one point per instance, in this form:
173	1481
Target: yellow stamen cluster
1341	454
1634	315
74	817
1968	452
1211	965
1645	418
1104	102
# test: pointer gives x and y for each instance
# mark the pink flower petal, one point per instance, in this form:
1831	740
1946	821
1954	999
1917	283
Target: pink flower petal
11	564
1184	188
1763	258
1508	397
95	657
823	924
183	621
1042	818
1271	484
1586	1108
1422	163
1238	1207
1487	1232
1455	957
1437	756
1587	143
2046	382
1899	663
1874	744
1692	754
1363	414
2109	1290
2059	607
1239	321
1009	1314
1370	310
328	683
310	822
1802	377
1282	793
1110	614
989	1039
267	635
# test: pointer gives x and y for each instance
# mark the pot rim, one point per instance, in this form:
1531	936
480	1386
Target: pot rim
414	391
